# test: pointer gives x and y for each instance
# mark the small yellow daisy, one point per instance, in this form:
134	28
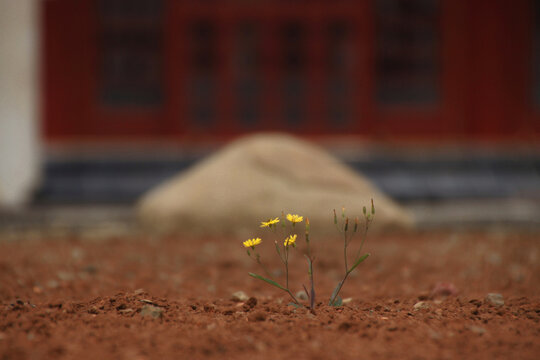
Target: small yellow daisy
290	240
269	222
252	242
295	218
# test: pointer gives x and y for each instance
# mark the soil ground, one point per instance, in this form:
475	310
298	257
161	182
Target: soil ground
139	297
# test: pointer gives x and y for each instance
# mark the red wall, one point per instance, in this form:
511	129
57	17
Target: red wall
485	77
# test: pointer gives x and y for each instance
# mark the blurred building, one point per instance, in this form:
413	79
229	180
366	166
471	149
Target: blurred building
187	71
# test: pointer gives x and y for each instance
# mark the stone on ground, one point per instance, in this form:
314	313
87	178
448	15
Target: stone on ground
494	299
256	178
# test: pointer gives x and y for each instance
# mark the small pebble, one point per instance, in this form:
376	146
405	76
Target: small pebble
494	299
250	304
239	296
151	311
421	305
301	295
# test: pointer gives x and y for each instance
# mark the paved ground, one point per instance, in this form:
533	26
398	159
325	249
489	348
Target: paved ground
117	220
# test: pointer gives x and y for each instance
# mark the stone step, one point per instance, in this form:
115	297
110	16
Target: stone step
117	180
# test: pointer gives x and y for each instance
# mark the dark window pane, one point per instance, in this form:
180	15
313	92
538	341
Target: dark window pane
408	52
339	70
293	67
131	52
202	73
247	70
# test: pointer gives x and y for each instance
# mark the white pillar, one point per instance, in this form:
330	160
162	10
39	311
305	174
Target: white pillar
19	91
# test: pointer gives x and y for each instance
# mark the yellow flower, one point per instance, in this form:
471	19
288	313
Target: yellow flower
252	242
290	240
269	222
294	218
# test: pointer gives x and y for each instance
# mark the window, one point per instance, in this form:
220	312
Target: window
407	52
202	73
293	67
131	53
247	69
339	63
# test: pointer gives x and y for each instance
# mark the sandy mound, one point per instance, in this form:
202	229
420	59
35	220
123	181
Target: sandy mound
256	178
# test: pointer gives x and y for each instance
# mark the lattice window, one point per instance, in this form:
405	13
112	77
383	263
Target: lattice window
407	58
131	52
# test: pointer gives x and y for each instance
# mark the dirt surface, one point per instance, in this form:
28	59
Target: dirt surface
419	296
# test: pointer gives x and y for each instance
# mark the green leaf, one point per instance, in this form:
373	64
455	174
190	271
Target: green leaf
362	258
294	304
271	282
338	301
335	292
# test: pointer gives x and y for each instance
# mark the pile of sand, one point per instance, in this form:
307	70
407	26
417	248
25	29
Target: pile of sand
258	177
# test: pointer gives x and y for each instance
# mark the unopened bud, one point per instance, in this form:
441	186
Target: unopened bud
343	212
335	217
307	226
355	224
364	210
346	224
372	208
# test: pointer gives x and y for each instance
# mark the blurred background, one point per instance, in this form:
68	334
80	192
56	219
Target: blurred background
436	101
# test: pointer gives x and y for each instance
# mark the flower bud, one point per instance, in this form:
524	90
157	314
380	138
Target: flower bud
346	224
372	208
364	210
355	224
335	217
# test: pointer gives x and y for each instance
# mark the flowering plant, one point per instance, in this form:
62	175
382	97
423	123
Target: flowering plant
289	231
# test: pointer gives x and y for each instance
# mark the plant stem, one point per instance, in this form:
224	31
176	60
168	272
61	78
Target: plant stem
338	289
287	267
364	236
293	297
345	252
312	295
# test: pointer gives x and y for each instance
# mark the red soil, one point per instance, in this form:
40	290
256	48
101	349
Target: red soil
143	298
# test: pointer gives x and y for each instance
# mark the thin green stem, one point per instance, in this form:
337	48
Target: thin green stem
293	297
345	252
364	236
312	295
287	268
